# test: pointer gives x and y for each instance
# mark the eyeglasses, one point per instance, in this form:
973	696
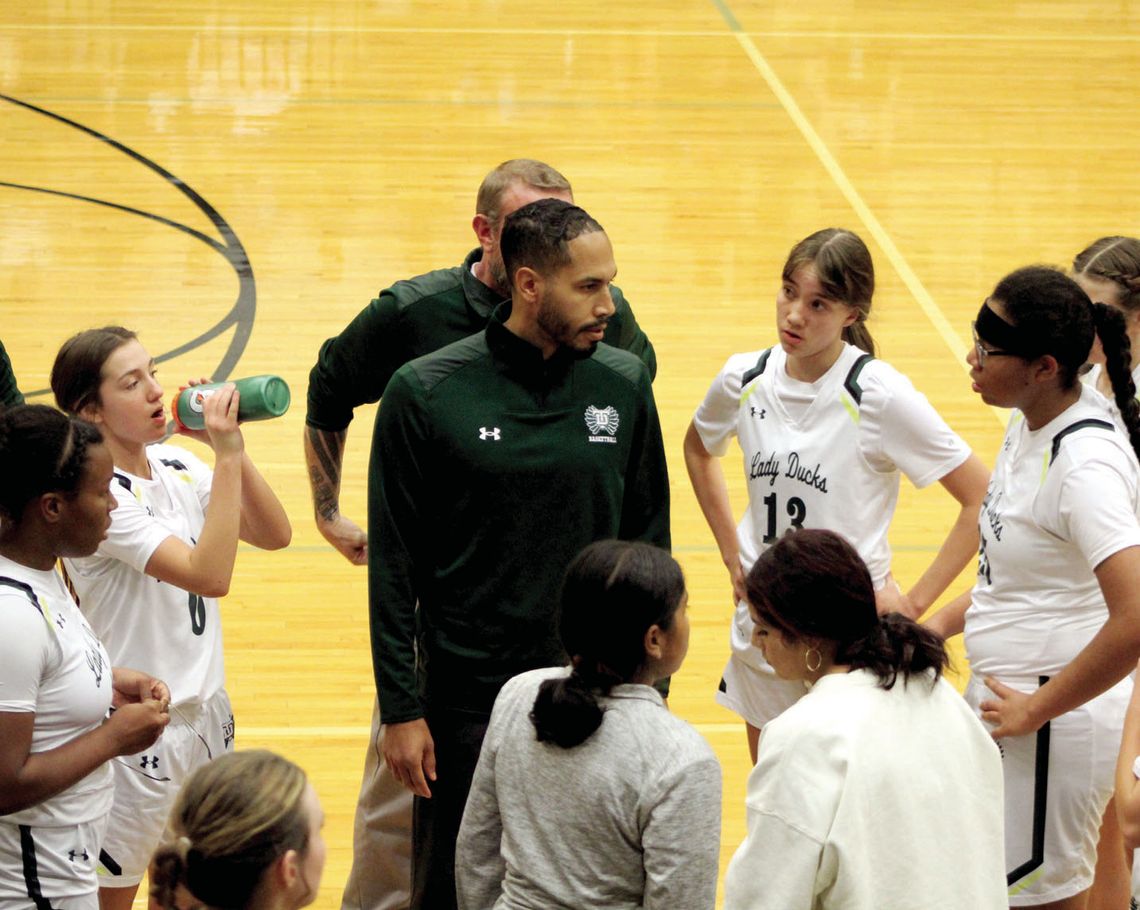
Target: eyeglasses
982	352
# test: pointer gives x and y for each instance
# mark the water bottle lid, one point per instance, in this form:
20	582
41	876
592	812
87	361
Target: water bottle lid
276	394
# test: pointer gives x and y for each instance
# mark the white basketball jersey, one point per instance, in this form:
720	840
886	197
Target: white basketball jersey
52	665
825	454
147	624
1062	499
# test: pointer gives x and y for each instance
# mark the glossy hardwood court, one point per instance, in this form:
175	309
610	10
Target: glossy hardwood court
236	180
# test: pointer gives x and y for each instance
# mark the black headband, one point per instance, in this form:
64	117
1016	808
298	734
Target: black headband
1004	336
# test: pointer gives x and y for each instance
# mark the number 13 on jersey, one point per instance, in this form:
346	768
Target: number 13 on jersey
795	509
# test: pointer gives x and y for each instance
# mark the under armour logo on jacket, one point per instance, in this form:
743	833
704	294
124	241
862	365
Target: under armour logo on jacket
494	433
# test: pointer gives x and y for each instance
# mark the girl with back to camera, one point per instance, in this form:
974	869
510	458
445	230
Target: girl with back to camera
588	792
1108	270
56	681
825	430
879	790
247	831
1053	622
151	590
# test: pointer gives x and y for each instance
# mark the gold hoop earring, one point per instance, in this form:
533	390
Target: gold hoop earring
818	659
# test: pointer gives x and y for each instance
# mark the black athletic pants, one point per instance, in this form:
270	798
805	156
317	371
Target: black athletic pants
458	736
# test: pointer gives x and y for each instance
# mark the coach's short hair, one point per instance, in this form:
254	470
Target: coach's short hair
537	236
526	171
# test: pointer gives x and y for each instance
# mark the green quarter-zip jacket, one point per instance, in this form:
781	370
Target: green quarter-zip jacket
491	468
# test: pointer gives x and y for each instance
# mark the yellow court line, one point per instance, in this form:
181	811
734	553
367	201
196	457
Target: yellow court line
970	37
862	210
1107	37
359	29
244	730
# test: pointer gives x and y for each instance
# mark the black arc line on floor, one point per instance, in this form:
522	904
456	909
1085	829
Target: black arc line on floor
230	247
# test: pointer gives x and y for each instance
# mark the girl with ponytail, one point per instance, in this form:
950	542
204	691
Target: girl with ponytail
248	837
881	752
152	588
588	792
826	431
1052	624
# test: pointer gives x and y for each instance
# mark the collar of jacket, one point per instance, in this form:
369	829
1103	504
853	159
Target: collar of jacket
480	298
522	356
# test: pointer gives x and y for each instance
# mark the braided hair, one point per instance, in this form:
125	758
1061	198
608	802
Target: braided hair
41	451
1115	259
1113	334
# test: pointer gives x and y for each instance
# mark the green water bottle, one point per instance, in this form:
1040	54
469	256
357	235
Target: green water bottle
262	397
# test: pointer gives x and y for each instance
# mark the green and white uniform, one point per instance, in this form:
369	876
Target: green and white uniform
824	454
53	666
170	633
1062	499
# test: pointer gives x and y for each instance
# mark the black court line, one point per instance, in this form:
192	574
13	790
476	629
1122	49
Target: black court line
241	314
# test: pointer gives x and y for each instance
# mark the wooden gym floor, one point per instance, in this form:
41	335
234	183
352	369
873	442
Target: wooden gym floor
148	151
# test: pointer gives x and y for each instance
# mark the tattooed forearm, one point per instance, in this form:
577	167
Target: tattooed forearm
325	502
328	448
324	455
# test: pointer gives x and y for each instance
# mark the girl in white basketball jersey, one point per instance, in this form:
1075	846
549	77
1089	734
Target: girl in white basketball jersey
1108	270
1053	622
151	589
56	681
825	430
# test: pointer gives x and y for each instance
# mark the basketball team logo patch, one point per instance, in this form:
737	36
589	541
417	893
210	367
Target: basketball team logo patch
602	423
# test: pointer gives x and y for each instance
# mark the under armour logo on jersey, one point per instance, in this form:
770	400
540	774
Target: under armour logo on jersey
148	761
602	423
493	433
81	853
757	412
